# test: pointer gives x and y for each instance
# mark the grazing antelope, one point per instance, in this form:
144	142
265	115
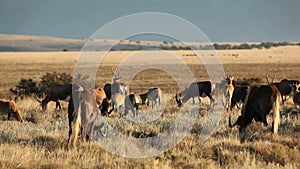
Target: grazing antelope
196	89
10	108
152	95
82	114
57	92
229	91
132	102
258	104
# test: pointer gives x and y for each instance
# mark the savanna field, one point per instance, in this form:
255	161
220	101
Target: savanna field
40	142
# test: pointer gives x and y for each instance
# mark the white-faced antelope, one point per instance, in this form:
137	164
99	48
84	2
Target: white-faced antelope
116	86
153	95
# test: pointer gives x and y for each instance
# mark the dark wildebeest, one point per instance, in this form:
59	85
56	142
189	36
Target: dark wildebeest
296	97
258	104
57	92
82	113
10	108
239	95
196	89
285	87
154	94
132	104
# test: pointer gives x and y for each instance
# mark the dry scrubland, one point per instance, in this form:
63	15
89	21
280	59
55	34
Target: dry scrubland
40	142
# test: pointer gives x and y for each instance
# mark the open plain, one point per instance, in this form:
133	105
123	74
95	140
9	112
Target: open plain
40	142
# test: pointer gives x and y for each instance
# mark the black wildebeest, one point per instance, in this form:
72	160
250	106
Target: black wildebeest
152	95
296	97
82	113
57	92
285	87
196	89
10	108
258	104
239	95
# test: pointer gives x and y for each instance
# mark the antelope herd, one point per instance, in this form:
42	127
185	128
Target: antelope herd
84	105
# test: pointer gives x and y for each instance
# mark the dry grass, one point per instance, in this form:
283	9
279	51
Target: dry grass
40	142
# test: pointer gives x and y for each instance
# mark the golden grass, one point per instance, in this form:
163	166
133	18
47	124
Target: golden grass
40	142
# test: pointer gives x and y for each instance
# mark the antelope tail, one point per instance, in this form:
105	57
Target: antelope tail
276	112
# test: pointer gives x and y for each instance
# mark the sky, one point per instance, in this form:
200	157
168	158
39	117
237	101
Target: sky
220	20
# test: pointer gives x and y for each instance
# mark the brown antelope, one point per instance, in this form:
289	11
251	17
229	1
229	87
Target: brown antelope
10	108
229	91
258	104
100	96
152	95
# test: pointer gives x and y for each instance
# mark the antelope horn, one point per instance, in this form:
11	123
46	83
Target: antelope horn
267	77
118	72
37	98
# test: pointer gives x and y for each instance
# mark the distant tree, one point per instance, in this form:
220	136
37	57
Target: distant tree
25	87
50	79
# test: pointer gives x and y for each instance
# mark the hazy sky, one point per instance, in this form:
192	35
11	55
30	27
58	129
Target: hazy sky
220	20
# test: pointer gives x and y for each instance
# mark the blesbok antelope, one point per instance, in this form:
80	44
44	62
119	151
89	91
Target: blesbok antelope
116	86
229	91
82	113
132	102
296	97
153	95
258	104
239	95
10	108
196	89
57	92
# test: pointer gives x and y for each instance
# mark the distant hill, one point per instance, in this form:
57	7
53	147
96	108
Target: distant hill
9	42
